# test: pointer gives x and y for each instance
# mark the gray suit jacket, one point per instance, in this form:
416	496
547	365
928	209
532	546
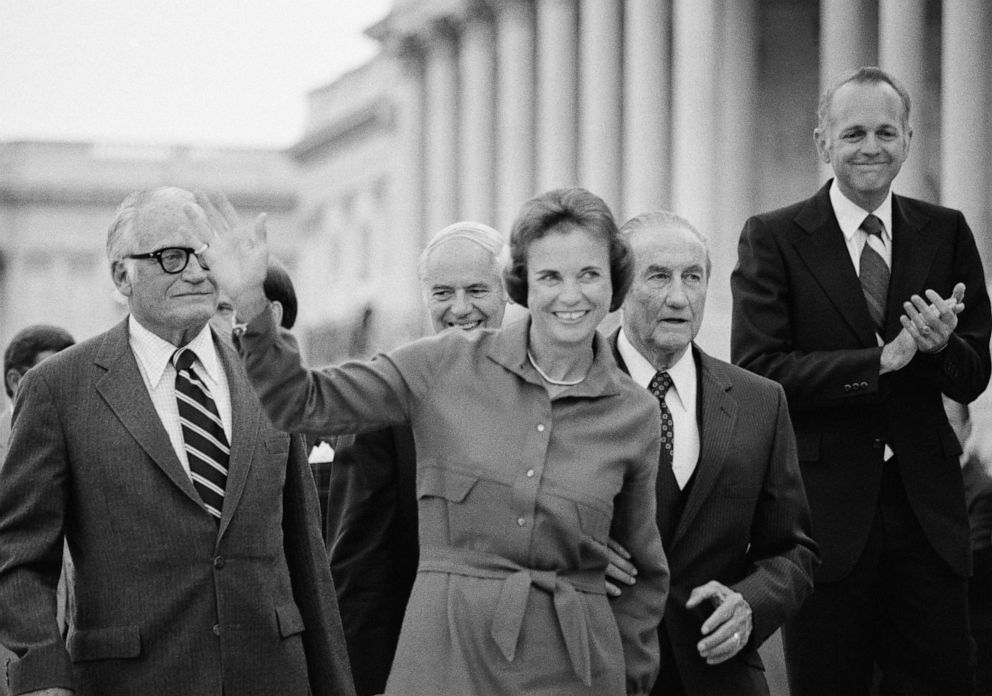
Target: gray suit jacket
166	602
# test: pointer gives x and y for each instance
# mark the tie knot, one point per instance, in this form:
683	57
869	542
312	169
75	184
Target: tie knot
873	226
183	359
660	384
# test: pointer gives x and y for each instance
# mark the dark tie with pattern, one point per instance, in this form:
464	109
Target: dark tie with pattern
874	274
203	432
659	386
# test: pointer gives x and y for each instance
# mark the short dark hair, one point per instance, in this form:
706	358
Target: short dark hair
27	344
278	287
557	210
865	75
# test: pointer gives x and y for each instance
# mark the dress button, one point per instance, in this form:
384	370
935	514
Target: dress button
216	629
219	562
847	387
530	473
521	521
540	427
864	385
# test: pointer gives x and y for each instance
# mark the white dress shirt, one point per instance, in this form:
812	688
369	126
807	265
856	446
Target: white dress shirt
680	399
850	216
154	357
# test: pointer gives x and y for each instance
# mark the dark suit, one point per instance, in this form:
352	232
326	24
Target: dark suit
166	601
373	545
800	318
744	523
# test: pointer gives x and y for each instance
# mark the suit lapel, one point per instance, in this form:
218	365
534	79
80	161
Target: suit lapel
246	423
123	389
824	251
912	253
718	414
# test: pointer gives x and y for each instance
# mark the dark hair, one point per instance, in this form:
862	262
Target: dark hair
23	350
278	287
865	75
556	211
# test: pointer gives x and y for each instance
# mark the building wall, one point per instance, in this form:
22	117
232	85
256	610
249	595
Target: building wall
58	199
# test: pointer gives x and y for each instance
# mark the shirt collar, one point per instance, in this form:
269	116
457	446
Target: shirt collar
154	352
683	372
850	215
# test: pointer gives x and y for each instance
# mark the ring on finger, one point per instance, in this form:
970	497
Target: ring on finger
925	329
737	637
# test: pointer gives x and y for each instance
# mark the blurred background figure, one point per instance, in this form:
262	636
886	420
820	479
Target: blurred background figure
372	499
26	349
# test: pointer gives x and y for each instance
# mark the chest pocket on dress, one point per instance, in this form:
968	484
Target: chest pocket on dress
443	495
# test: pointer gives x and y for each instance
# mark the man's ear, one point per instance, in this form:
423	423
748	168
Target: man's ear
276	307
820	140
12	378
122	279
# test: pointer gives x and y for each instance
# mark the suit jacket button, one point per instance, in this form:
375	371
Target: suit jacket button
864	385
878	443
216	629
847	387
219	562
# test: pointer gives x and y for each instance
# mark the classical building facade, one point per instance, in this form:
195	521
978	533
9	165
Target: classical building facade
57	200
706	107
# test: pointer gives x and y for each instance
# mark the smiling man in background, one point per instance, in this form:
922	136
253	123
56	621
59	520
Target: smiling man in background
372	503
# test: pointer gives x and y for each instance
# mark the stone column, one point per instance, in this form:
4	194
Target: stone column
600	94
901	42
557	93
848	40
646	116
408	220
477	178
441	80
733	195
515	48
695	110
965	98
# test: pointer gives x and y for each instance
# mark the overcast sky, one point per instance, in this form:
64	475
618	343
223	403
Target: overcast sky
201	72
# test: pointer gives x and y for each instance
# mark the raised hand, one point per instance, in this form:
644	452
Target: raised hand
236	255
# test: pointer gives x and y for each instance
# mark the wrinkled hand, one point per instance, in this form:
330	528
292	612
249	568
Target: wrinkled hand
728	628
620	569
236	255
931	325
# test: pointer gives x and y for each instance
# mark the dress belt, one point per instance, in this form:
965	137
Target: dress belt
512	604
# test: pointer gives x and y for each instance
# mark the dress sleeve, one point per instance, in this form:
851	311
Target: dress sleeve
356	396
639	608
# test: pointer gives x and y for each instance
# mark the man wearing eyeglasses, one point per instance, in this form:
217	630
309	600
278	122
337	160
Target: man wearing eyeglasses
192	523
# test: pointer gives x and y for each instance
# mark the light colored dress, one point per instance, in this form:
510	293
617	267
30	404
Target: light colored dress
517	496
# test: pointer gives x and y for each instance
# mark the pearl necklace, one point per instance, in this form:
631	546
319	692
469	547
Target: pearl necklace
556	382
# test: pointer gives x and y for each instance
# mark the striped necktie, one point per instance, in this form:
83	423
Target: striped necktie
874	274
207	449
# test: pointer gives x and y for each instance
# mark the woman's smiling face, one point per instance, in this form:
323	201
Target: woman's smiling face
568	286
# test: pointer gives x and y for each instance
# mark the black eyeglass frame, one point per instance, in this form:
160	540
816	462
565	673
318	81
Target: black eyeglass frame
157	255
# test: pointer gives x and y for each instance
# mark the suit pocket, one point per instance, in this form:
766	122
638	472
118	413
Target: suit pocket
290	620
114	642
